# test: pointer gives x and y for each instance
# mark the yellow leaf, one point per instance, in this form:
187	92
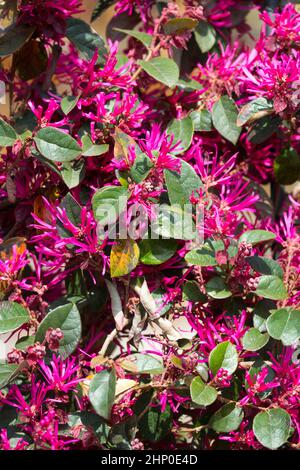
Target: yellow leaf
124	257
124	384
6	248
122	142
40	210
85	385
97	361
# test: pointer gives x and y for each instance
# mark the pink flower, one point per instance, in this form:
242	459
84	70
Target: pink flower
285	26
61	375
5	444
277	79
48	15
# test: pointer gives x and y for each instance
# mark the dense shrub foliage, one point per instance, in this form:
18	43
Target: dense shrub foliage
188	338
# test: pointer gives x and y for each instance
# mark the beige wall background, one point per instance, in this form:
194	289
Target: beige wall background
100	26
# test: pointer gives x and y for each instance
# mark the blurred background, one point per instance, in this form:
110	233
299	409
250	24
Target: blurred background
100	26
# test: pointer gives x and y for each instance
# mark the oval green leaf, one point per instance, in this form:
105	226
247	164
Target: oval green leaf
271	287
224	116
201	393
217	289
224	356
284	324
254	340
256	236
162	69
201	257
156	251
226	419
67	318
102	392
182	185
85	39
272	427
12	316
56	145
8	135
182	130
108	203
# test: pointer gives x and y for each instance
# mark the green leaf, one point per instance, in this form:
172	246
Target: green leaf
253	340
256	236
284	324
227	419
265	265
155	424
145	38
7	373
85	39
223	356
100	8
68	103
201	257
261	312
156	251
174	222
182	185
179	25
254	110
202	120
96	150
73	173
205	35
124	257
8	135
287	166
90	149
189	85
56	145
73	212
271	287
183	130
102	392
264	129
14	38
217	289
108	203
12	316
121	435
67	318
224	116
90	421
201	393
161	69
272	427
141	167
191	292
142	364
24	342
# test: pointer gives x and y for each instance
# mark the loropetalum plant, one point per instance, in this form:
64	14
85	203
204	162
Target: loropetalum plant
181	336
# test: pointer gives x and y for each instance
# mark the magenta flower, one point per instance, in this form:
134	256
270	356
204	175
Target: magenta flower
285	26
61	376
49	16
277	80
5	444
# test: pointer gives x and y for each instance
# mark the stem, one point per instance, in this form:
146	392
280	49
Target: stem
107	342
149	56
